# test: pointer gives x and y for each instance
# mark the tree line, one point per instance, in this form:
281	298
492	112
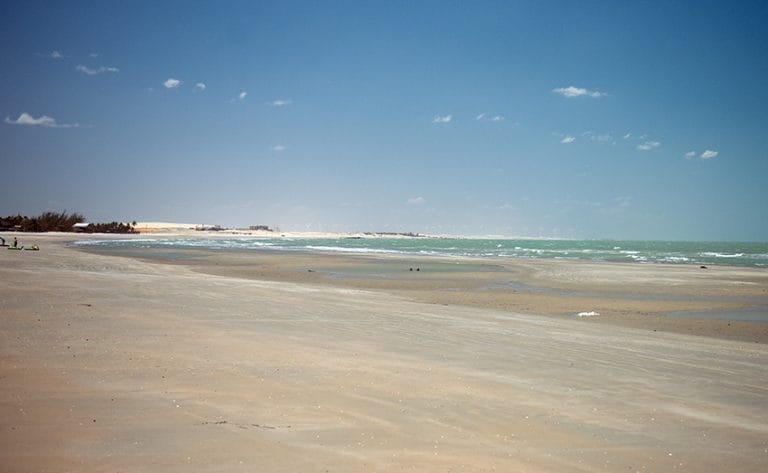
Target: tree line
61	222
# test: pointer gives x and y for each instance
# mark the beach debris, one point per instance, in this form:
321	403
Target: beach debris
591	313
245	426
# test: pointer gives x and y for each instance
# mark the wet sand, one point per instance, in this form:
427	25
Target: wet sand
720	300
206	361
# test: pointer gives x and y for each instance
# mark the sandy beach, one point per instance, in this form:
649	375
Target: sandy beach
222	361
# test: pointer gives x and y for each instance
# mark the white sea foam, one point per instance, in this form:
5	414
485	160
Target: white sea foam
675	259
350	250
638	252
722	255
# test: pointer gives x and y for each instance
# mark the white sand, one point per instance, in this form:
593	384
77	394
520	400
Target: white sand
111	364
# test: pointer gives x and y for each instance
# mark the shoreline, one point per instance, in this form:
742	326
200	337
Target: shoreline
702	254
665	297
201	363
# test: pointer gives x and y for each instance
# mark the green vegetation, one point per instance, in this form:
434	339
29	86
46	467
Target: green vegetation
61	222
46	222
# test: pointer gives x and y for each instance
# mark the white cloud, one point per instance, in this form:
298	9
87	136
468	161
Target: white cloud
200	86
171	83
648	145
486	118
572	91
417	201
442	119
92	72
690	154
281	102
278	148
94	55
627	136
46	121
567	139
709	154
599	137
622	202
56	55
239	98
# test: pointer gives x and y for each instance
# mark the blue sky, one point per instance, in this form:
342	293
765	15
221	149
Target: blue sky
643	120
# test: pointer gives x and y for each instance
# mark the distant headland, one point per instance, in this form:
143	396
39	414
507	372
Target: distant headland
77	223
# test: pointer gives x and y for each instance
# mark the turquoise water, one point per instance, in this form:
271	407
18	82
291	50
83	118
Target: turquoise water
675	252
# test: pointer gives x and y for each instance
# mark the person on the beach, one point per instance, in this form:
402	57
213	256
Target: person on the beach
2	241
15	243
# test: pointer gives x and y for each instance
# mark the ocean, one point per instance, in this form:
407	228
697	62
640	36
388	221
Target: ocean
641	252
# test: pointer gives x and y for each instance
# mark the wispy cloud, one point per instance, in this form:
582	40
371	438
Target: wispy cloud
92	72
239	98
56	55
571	92
278	148
281	102
630	136
648	145
171	83
200	86
568	139
620	203
416	201
45	121
604	138
484	117
442	119
707	154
